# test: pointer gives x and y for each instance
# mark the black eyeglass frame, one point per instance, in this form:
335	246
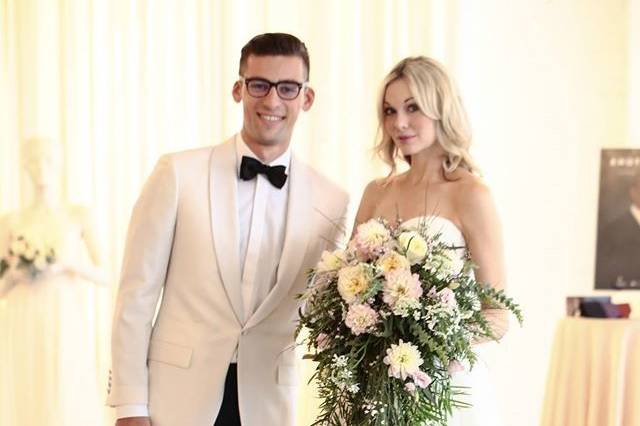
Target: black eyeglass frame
272	84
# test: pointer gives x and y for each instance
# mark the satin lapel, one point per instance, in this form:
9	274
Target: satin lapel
297	236
223	202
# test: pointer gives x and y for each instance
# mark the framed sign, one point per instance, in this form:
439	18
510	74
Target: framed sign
618	246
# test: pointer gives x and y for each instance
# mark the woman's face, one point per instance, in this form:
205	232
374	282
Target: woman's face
410	129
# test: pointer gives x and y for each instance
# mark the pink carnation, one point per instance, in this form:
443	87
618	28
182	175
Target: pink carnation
421	379
448	297
410	387
322	341
361	318
370	239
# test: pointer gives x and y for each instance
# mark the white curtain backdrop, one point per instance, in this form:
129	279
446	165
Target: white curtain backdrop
120	82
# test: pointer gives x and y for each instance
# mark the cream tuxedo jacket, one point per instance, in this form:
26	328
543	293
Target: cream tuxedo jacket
182	247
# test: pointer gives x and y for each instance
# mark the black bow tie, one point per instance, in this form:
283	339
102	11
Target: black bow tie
250	167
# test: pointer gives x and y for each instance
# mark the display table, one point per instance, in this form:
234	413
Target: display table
594	374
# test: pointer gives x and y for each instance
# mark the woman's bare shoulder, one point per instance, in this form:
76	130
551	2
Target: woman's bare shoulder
468	186
379	186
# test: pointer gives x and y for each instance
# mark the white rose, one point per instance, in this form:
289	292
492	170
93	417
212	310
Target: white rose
353	281
414	245
331	261
393	261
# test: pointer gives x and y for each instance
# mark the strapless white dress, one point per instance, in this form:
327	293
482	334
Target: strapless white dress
480	392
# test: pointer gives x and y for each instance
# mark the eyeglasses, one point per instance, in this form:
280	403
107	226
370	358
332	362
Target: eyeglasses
286	89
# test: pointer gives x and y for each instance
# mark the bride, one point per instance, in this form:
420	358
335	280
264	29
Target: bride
422	122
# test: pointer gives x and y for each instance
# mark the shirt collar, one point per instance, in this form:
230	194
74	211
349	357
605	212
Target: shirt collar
242	150
635	212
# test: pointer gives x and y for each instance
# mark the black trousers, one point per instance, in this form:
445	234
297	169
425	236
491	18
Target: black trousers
229	414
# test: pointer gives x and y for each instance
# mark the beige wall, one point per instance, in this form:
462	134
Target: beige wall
546	85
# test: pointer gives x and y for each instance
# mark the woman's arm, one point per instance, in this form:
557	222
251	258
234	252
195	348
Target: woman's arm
483	233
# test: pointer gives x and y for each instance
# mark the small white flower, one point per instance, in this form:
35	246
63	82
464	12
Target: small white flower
340	361
476	305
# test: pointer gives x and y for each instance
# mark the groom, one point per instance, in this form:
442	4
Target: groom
225	234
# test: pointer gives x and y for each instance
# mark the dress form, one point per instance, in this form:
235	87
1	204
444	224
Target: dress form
48	326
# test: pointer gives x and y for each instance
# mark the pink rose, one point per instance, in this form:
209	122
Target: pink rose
322	341
410	387
421	379
454	367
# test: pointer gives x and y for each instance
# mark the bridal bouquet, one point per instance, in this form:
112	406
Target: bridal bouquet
390	319
33	257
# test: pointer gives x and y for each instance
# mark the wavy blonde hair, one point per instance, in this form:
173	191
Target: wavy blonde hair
437	97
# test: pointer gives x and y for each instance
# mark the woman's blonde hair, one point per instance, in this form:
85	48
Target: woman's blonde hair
437	97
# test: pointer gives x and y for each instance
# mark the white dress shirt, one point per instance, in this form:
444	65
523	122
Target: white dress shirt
262	216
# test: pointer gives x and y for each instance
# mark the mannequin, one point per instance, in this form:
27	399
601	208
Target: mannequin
47	320
41	161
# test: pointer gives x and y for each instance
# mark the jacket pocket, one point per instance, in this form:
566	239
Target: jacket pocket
170	353
287	375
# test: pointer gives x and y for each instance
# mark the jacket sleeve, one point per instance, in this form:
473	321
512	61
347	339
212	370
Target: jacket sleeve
144	269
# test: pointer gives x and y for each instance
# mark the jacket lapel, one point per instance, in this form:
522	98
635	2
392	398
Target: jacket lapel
223	208
297	236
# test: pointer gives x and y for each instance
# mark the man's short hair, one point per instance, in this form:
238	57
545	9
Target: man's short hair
275	44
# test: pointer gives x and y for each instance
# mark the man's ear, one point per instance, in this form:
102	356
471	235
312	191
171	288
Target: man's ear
236	92
309	96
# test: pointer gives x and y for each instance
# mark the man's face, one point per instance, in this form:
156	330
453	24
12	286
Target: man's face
269	121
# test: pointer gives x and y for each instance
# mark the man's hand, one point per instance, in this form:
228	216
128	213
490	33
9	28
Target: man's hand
134	421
